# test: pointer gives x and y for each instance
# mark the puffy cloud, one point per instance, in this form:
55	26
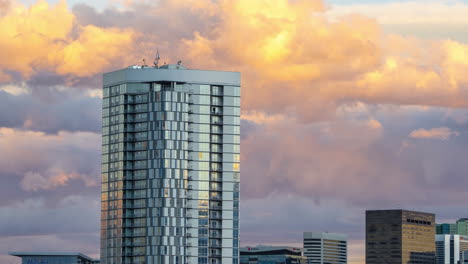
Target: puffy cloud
356	158
261	118
374	124
443	133
71	157
52	179
12	89
293	50
44	37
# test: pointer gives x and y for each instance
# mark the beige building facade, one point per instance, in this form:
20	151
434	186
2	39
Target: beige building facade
400	237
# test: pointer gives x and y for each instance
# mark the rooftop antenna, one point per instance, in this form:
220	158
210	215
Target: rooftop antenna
156	59
144	63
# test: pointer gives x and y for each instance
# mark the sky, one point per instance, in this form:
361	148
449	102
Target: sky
346	106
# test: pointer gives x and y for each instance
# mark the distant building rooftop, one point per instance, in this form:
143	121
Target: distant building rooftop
171	73
325	235
44	255
271	250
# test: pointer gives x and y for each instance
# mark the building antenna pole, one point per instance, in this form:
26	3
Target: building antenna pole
156	59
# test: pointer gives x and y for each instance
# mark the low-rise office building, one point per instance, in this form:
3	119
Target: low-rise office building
54	258
271	255
324	248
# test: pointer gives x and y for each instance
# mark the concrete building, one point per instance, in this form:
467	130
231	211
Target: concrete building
271	255
54	258
325	248
400	237
170	166
450	248
458	228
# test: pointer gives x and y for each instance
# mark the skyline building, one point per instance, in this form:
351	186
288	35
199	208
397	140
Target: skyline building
54	258
324	248
450	248
170	166
400	237
460	227
263	254
464	257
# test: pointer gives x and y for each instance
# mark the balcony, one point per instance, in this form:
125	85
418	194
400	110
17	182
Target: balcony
129	119
216	139
216	130
215	234
216	188
135	196
134	224
141	127
216	149
132	215
216	198
215	244
216	101
216	216
215	226
216	92
216	168
216	207
133	234
134	244
140	156
216	179
140	100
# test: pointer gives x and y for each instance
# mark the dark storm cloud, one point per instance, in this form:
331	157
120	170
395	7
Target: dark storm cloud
59	113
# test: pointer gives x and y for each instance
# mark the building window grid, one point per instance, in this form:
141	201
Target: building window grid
117	131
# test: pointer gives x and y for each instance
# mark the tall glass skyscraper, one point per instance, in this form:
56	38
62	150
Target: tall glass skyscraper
170	166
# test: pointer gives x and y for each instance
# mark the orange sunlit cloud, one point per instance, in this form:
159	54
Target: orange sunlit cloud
292	49
48	38
443	133
287	48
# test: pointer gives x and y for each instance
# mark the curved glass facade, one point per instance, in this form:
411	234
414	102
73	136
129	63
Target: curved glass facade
170	171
